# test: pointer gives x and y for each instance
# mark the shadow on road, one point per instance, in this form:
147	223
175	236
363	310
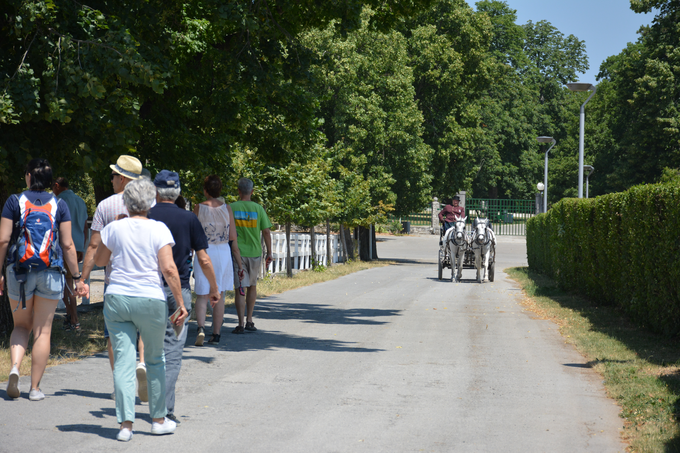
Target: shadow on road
83	393
263	340
108	433
271	308
402	261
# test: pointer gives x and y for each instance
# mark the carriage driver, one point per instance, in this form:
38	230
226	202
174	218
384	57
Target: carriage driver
451	213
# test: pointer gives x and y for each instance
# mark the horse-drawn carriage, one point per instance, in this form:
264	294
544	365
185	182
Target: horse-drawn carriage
460	249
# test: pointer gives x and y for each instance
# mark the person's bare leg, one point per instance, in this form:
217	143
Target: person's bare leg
71	302
140	348
109	347
201	308
23	324
240	303
43	314
251	297
218	315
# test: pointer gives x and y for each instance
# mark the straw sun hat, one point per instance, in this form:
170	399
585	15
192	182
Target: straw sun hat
128	166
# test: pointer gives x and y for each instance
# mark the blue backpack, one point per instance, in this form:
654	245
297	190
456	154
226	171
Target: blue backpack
37	243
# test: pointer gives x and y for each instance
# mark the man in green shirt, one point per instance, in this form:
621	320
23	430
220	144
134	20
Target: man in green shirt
250	219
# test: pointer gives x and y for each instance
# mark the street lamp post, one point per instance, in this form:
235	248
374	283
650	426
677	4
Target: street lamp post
577	86
540	188
590	169
545	139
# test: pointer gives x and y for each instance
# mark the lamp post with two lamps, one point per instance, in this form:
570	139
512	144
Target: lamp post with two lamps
578	86
545	139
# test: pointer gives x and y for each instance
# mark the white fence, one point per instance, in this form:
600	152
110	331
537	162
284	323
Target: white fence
301	251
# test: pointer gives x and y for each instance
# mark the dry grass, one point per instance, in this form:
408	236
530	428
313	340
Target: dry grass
68	346
641	370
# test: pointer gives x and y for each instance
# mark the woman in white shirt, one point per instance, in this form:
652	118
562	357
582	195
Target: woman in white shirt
215	217
139	250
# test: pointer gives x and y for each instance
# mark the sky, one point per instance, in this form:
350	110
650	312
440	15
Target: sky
606	26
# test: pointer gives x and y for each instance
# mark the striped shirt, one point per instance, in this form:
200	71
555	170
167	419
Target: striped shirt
108	210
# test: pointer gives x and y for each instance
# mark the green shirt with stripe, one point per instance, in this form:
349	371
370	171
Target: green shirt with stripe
250	219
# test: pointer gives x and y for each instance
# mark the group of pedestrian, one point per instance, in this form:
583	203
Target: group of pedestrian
149	247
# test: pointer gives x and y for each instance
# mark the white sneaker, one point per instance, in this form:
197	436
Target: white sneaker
141	383
124	435
36	395
13	389
167	427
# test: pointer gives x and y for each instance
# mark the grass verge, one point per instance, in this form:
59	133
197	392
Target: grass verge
641	370
68	346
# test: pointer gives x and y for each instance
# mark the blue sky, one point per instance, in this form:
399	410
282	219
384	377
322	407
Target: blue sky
605	25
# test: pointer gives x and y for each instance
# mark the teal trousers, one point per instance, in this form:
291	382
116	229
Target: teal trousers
124	316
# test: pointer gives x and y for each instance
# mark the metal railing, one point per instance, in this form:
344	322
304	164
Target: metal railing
422	218
508	217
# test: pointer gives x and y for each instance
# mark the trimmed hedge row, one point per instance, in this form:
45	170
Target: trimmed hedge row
619	249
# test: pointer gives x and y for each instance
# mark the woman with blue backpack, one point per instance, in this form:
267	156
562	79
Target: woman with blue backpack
35	237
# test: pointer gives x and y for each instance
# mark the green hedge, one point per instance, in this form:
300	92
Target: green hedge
620	249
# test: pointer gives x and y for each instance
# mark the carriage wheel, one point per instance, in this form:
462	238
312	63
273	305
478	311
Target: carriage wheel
441	257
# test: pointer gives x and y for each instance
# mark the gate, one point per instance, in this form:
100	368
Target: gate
509	217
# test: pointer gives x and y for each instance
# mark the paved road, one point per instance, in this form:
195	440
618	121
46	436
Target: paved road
385	360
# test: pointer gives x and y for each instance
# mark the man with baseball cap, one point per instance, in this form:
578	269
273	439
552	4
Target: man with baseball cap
188	234
113	208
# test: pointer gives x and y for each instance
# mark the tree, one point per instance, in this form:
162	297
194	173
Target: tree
370	117
448	50
643	115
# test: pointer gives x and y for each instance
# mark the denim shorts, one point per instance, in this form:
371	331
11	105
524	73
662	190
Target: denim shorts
48	284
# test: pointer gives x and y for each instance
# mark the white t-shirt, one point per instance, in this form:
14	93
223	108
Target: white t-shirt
134	245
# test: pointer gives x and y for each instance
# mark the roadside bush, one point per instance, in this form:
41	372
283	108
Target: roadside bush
621	249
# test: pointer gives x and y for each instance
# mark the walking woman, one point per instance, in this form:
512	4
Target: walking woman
41	289
215	216
139	250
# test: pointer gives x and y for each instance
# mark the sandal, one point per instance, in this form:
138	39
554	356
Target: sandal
238	329
250	326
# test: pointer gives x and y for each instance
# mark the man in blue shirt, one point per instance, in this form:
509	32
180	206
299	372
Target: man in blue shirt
188	235
78	210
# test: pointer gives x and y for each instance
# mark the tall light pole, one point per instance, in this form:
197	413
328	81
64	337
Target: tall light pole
545	139
578	86
590	169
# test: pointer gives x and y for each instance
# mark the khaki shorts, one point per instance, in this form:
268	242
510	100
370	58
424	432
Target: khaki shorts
252	271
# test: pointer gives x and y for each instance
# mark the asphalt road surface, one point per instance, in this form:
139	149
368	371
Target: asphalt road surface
384	360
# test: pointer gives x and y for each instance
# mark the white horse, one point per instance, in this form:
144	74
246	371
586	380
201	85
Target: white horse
457	244
483	238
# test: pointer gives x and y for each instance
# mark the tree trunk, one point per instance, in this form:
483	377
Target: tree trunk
289	259
348	245
357	237
329	252
364	244
312	237
375	244
343	245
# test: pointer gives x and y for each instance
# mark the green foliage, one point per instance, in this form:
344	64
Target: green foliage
670	176
618	249
370	118
638	105
529	65
448	50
